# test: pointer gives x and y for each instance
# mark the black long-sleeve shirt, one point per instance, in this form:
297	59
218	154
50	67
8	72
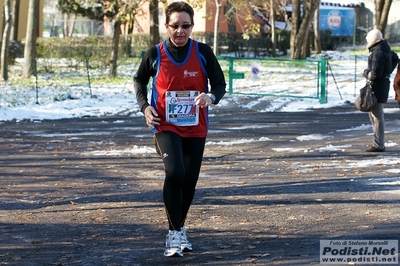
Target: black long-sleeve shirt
147	69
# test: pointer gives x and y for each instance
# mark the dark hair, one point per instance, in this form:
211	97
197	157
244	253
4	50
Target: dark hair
179	7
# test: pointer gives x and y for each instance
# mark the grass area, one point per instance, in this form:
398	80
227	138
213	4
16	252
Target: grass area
63	73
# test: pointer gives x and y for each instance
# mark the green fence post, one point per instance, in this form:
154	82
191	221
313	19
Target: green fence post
233	75
230	75
88	74
35	73
322	85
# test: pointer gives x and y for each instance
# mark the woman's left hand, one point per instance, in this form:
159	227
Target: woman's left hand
203	100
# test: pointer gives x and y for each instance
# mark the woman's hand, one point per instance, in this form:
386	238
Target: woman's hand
203	100
151	116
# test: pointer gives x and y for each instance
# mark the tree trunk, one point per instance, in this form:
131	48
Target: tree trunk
15	20
299	44
31	37
232	33
216	25
69	24
71	27
273	32
382	8
154	23
295	27
114	53
5	41
317	37
65	25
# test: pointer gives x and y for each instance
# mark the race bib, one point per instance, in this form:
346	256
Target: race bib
181	109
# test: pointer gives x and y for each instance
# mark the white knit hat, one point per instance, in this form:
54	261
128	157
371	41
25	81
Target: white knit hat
373	36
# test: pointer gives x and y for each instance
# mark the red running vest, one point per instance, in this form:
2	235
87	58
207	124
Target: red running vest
190	75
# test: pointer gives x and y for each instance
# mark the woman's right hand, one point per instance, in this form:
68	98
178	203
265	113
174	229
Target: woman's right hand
151	116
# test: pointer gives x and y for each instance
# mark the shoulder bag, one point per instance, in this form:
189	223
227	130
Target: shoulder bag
366	100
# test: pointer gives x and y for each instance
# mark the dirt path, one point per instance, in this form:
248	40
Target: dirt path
267	199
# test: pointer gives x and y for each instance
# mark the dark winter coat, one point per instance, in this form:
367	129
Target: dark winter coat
381	63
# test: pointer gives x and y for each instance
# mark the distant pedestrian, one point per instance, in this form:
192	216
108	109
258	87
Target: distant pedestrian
381	63
178	113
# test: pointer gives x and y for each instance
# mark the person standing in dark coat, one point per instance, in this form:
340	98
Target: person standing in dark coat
381	63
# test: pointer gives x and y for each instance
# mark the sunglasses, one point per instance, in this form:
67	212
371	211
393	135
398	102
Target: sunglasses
184	26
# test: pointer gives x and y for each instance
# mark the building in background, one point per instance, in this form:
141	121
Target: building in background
52	21
392	33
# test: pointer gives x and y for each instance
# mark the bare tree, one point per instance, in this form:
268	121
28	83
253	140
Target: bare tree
154	23
230	13
31	37
15	20
114	53
273	34
5	41
216	25
302	14
119	12
68	24
317	35
382	8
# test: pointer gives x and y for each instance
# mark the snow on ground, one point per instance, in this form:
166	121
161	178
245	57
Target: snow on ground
19	103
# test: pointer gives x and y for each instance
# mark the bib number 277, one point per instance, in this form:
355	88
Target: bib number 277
181	108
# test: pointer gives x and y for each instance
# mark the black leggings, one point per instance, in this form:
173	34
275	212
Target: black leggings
182	159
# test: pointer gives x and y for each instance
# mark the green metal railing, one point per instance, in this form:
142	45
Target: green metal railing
259	76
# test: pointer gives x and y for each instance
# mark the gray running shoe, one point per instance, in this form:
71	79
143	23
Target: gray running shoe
173	244
186	246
